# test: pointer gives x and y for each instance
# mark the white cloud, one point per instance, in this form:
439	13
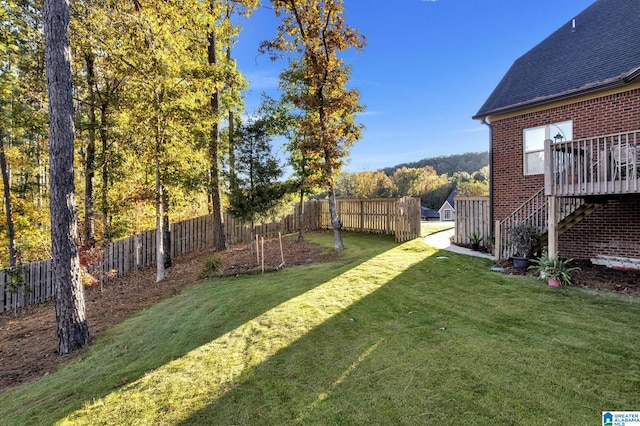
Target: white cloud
367	113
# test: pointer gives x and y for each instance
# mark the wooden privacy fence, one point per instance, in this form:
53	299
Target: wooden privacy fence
399	217
472	217
389	216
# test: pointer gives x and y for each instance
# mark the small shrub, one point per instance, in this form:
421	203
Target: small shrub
89	258
16	280
553	267
524	239
475	239
212	268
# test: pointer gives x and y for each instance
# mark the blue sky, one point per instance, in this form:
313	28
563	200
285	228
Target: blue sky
428	67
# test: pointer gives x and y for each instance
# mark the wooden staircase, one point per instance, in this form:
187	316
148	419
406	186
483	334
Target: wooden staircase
571	220
535	212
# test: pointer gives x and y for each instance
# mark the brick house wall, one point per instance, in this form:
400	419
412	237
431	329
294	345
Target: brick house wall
612	230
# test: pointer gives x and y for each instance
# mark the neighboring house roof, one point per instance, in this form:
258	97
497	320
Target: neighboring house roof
596	50
427	213
450	199
449	203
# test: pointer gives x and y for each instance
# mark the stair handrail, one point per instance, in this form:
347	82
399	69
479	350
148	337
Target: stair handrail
534	211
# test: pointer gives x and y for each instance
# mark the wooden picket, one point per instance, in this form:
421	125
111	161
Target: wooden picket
472	217
407	219
387	216
399	217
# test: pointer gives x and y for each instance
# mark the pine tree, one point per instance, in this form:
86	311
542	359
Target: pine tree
257	189
73	331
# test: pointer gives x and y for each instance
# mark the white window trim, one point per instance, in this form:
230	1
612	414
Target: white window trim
549	130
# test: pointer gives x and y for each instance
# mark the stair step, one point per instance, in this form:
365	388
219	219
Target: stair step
577	216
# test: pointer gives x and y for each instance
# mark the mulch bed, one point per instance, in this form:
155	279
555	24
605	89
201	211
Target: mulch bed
595	277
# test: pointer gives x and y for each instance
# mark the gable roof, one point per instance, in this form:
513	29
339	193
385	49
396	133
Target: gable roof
450	200
601	51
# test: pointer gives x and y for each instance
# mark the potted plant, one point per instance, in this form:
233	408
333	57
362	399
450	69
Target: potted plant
524	238
553	269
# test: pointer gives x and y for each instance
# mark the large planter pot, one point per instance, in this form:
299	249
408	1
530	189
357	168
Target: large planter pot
553	282
521	263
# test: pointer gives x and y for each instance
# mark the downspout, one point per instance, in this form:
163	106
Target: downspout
486	122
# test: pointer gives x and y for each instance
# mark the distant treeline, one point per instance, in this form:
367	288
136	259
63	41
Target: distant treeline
468	162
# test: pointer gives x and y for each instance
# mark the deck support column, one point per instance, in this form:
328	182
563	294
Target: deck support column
497	241
553	226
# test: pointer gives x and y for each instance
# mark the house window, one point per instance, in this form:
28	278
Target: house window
534	144
447	214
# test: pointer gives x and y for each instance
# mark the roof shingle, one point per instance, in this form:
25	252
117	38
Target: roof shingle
603	50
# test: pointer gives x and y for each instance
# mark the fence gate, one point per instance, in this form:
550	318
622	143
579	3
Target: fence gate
407	219
472	217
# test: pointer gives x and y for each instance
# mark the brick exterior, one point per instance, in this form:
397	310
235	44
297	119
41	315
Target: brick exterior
612	230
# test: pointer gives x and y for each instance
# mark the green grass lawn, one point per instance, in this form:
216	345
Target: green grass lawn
384	334
430	227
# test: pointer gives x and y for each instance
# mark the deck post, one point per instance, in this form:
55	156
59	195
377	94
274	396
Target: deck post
552	226
498	241
548	168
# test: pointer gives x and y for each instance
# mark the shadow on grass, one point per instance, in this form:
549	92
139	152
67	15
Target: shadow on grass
400	337
359	365
179	388
200	314
185	385
446	341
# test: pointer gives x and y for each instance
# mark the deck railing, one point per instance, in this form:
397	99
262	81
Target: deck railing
533	212
603	165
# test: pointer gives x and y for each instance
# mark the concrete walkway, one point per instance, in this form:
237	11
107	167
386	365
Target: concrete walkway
442	240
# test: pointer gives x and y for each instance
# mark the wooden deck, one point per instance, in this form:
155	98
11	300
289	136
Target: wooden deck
598	166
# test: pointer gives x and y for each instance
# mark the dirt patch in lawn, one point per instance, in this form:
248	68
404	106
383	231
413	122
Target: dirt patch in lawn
28	339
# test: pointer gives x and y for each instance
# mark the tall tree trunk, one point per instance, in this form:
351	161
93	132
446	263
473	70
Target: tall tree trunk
42	176
159	209
159	228
232	154
336	224
72	328
301	217
219	238
105	174
89	223
166	241
7	202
